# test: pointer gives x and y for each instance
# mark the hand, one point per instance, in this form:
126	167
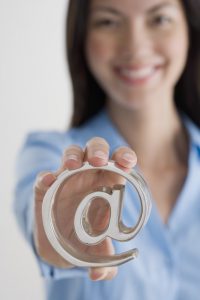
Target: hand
96	153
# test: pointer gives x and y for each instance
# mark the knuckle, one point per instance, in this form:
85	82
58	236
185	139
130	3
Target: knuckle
72	149
97	142
124	149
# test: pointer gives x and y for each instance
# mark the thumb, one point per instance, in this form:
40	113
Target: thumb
42	183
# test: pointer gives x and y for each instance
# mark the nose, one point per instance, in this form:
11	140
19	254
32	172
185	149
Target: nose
136	43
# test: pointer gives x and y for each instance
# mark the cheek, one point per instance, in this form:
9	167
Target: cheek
176	48
97	51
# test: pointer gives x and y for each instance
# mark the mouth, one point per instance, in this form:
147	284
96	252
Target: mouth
136	75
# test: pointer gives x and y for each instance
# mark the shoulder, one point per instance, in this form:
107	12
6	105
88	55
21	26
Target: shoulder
57	141
46	139
41	150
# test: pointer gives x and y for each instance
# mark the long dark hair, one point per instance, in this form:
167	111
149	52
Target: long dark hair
89	97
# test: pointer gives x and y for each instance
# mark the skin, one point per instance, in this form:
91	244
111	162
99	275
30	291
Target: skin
138	34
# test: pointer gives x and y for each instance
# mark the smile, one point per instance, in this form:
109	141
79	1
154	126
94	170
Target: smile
136	76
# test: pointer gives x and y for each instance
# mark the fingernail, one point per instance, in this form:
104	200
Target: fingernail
71	157
100	154
129	157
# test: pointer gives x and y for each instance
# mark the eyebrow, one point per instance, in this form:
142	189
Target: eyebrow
116	12
105	9
160	6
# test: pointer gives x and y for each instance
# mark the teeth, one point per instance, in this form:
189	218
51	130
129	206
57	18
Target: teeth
137	74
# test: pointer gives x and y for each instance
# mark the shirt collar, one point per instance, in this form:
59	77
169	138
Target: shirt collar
193	130
102	125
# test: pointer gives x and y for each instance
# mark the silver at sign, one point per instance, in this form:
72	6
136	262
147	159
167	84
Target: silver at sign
115	229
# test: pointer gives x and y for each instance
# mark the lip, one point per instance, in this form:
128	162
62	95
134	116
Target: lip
136	75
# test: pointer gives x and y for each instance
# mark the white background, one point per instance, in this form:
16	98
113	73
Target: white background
35	93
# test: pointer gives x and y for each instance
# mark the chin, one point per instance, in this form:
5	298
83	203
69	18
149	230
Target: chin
134	103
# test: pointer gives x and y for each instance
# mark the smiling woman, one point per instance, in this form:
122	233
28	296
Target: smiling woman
135	69
137	52
186	92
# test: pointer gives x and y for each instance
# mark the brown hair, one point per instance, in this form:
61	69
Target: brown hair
89	97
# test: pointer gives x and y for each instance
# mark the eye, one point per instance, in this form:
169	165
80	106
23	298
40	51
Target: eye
161	20
106	22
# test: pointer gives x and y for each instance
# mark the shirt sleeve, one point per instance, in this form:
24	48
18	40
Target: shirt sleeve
41	151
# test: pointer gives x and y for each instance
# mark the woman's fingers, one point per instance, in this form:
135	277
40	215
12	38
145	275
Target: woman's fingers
125	158
97	152
72	158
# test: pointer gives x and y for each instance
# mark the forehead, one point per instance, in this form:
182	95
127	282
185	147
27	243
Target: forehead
129	6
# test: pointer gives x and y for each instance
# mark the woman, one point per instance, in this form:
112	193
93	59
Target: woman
134	67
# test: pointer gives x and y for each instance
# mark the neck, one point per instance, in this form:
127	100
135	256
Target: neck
156	134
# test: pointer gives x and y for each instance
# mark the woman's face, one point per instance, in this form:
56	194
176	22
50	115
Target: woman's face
136	49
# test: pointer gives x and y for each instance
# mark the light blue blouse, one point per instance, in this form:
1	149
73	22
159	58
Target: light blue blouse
168	266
